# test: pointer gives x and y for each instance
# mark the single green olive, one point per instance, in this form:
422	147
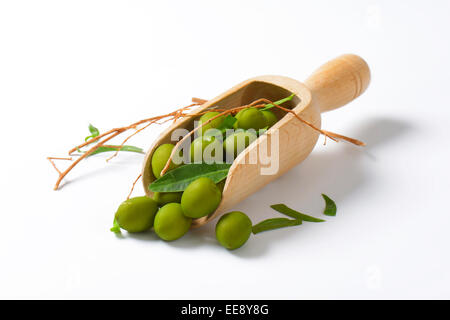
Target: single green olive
163	198
233	229
200	198
171	223
216	123
271	118
252	118
160	157
237	142
212	144
136	214
237	116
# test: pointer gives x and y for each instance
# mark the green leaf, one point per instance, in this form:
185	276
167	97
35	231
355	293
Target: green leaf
179	178
284	209
270	105
115	148
115	228
275	223
94	132
330	206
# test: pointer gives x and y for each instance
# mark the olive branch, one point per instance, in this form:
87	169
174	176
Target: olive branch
96	141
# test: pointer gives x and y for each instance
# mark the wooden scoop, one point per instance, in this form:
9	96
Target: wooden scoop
333	85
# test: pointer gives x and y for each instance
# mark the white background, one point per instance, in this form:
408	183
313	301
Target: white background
64	64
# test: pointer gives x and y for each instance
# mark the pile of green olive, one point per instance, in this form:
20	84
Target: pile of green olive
172	220
171	213
249	122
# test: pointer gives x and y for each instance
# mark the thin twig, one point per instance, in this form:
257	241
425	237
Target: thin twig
59	158
128	138
98	145
92	140
106	136
56	158
325	133
199	101
348	139
134	184
174	116
132	126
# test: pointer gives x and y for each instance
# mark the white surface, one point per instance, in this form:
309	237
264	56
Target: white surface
64	64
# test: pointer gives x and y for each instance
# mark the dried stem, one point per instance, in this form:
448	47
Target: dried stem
106	136
134	184
53	163
199	101
348	139
128	138
87	153
101	139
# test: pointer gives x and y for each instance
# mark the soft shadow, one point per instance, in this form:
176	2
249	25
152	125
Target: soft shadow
381	132
142	236
195	238
114	165
339	172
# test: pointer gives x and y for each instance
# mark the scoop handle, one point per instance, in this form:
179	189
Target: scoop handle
338	82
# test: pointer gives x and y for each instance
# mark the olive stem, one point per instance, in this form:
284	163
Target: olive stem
134	184
110	135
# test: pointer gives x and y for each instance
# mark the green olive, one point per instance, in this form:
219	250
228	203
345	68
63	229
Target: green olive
211	125
233	229
160	157
136	214
252	118
198	146
200	198
271	118
237	116
171	223
163	198
237	142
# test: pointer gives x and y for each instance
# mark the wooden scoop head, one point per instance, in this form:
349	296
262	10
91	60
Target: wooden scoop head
333	85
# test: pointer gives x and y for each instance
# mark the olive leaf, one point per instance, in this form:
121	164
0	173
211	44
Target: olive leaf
330	206
115	228
94	132
274	223
179	178
270	105
115	148
284	209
